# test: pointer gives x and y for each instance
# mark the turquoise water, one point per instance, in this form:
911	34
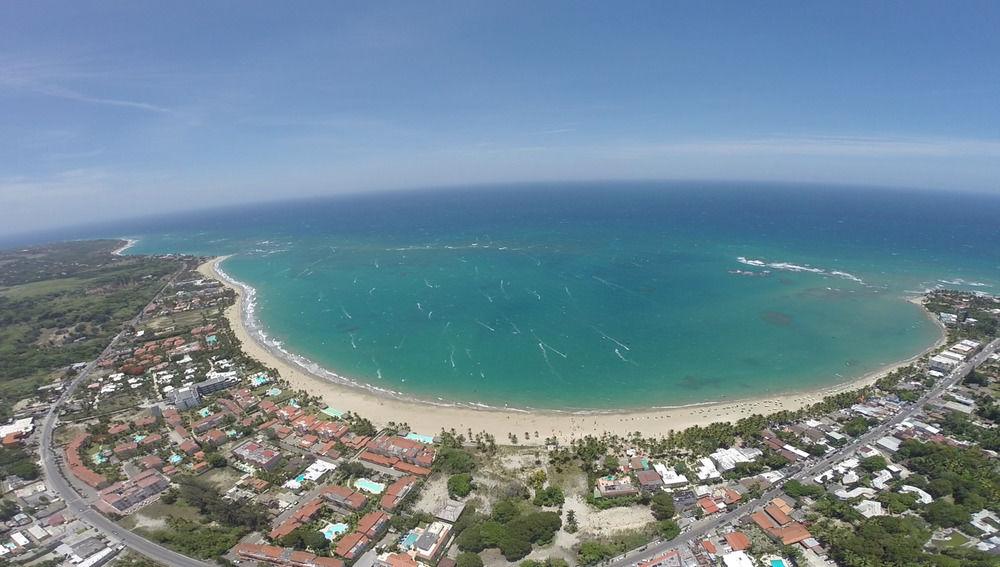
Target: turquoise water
331	531
600	297
428	439
369	486
409	540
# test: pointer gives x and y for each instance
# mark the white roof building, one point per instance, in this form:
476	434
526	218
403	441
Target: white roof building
22	426
669	476
869	508
737	559
707	470
922	496
727	459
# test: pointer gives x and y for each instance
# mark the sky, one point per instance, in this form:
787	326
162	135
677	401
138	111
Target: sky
116	109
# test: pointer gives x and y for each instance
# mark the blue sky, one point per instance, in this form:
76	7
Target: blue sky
134	107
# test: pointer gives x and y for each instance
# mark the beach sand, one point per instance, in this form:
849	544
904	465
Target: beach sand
431	419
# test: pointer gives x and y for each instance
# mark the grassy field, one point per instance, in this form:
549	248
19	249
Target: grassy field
61	304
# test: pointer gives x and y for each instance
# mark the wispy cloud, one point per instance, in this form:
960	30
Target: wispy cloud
48	78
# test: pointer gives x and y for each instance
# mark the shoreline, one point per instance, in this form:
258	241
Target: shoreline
120	251
382	406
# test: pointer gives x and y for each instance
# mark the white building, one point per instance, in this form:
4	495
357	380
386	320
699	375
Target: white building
727	459
669	476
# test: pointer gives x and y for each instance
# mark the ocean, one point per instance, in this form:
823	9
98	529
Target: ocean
603	295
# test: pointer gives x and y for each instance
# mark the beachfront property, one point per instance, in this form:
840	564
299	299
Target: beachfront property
612	487
404	449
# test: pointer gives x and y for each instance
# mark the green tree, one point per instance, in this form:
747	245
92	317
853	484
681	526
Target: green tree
662	506
668	529
460	485
549	496
467	559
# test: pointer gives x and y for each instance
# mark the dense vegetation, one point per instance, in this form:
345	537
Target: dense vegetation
62	304
510	529
225	521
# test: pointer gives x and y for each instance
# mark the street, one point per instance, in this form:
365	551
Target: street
701	528
78	505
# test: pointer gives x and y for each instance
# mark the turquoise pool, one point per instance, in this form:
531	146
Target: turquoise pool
777	563
175	458
427	439
369	486
138	437
409	540
331	531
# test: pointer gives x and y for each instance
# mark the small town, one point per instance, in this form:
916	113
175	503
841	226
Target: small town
172	447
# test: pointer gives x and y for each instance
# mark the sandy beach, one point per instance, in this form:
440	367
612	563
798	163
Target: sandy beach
431	418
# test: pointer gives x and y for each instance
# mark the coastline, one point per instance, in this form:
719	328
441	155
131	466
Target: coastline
430	418
120	251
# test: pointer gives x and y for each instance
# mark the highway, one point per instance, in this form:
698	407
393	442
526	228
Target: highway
698	530
77	504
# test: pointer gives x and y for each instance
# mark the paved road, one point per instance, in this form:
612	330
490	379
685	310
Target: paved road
698	530
78	505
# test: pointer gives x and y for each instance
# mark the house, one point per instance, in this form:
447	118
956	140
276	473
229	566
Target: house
352	545
274	555
212	421
78	468
432	541
737	541
649	480
215	437
121	496
151	462
397	560
406	450
126	450
708	505
726	459
189	447
397	491
258	455
611	487
185	398
669	476
119	428
373	524
777	524
344	498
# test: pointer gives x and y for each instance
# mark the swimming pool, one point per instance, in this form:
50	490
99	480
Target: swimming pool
175	458
274	392
204	412
777	563
259	380
138	437
409	540
426	439
331	531
369	486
